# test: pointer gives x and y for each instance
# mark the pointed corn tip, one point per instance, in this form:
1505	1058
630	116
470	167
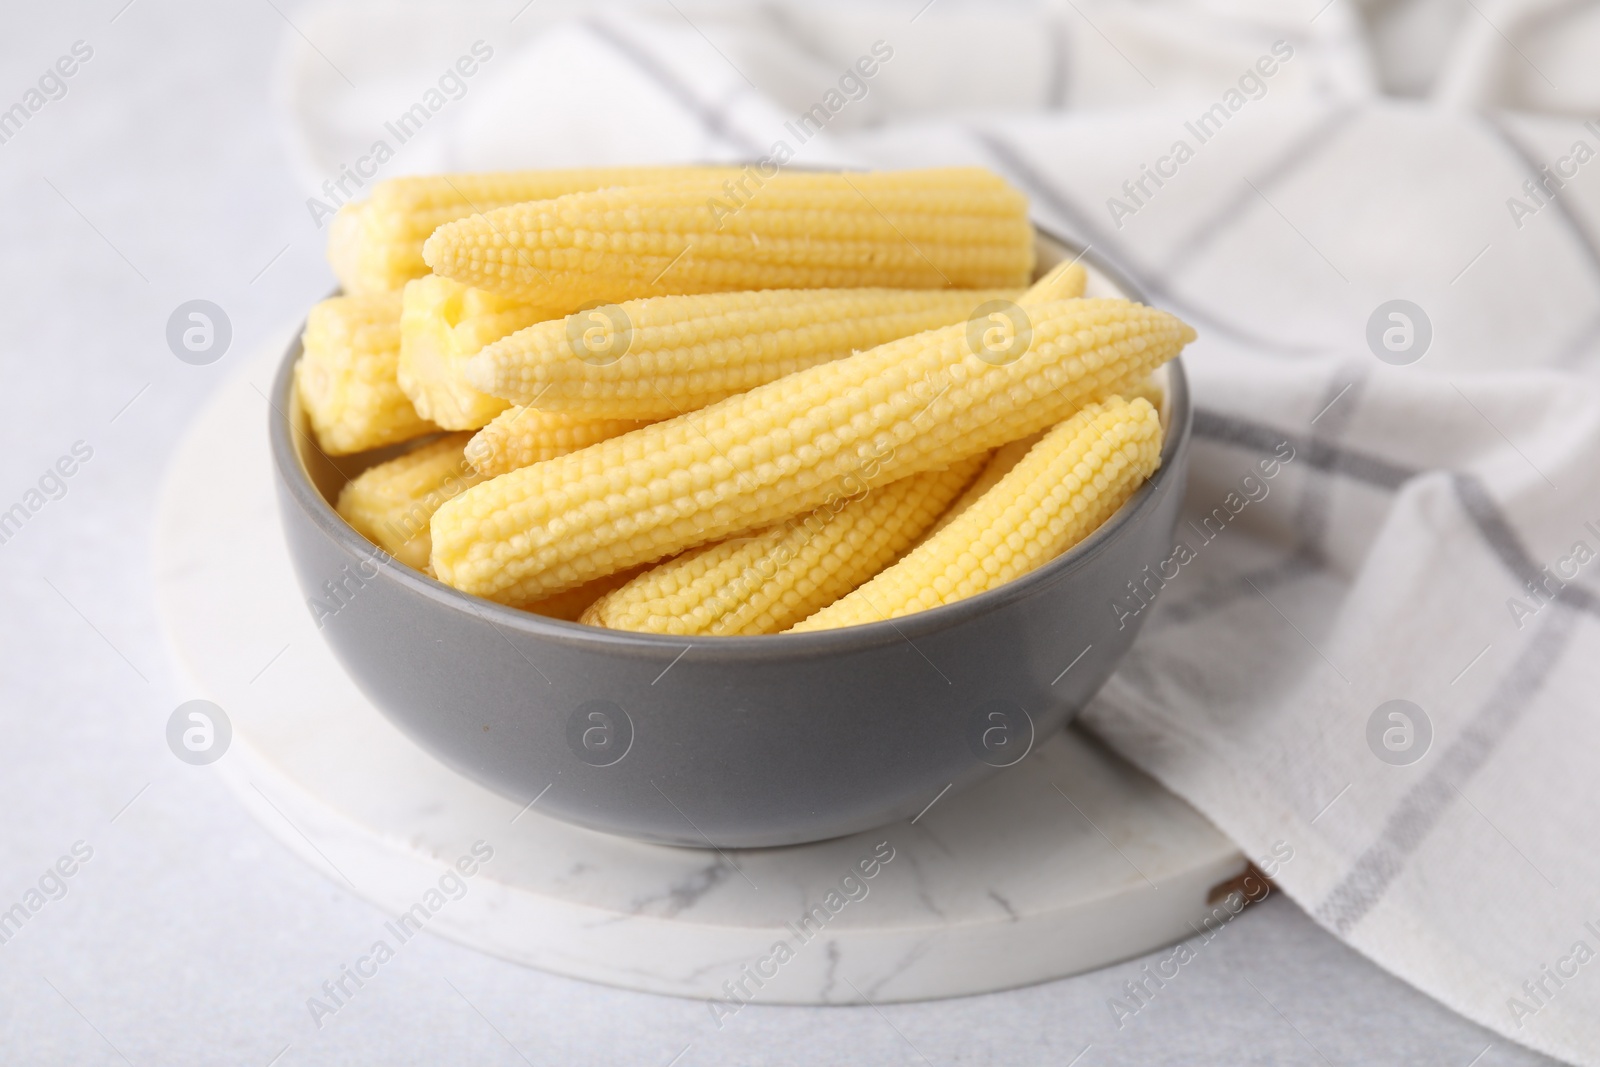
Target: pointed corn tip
431	248
478	369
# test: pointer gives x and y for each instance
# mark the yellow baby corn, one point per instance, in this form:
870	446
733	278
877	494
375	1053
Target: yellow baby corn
1063	489
569	604
996	466
346	376
1064	281
375	245
1148	388
926	229
767	582
520	436
441	324
916	404
390	504
667	355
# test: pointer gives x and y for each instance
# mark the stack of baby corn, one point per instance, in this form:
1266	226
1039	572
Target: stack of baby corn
699	401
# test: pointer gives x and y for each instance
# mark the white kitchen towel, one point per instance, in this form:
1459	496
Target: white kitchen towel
1376	640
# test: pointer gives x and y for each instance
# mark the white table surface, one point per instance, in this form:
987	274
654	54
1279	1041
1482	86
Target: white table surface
192	936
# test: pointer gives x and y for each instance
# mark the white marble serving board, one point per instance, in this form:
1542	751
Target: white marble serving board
1065	862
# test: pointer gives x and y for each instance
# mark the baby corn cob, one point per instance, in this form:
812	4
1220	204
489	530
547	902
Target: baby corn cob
1148	388
346	376
1062	490
997	466
375	245
1064	281
916	404
673	354
442	323
768	582
391	504
519	436
926	229
569	604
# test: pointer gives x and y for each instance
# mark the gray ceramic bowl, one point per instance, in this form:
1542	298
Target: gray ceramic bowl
727	741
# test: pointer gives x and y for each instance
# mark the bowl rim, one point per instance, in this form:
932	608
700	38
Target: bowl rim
780	647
